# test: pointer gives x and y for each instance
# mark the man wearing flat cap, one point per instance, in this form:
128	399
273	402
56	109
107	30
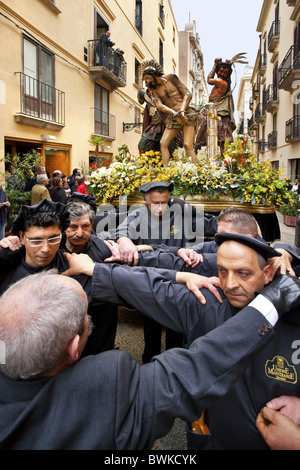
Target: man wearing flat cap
163	221
43	233
244	271
79	238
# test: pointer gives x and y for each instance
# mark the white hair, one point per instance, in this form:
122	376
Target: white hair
41	178
40	315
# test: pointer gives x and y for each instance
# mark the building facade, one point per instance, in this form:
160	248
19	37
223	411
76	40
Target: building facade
191	65
59	84
244	103
275	121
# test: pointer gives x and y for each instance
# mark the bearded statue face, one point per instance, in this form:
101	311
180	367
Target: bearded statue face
150	81
223	73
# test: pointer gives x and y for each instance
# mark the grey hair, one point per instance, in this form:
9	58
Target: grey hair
156	190
242	221
78	209
39	169
40	315
262	263
41	178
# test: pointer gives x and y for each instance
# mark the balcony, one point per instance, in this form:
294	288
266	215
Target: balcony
260	114
262	145
292	130
262	64
272	140
271	98
289	69
252	124
255	90
273	36
109	66
105	124
42	105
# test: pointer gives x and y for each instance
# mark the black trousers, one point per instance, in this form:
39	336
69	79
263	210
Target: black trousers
102	338
152	338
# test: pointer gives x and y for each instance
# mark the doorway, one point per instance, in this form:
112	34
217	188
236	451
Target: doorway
57	159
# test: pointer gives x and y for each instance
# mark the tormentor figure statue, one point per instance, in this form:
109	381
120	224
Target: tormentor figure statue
172	98
221	96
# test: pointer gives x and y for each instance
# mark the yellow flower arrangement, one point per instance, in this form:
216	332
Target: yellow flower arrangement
237	175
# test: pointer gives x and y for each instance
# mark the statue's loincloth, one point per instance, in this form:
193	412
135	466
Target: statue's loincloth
226	125
191	114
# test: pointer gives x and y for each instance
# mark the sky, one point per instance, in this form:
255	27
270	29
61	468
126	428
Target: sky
225	28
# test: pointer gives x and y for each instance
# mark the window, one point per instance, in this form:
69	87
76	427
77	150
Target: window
161	53
275	122
295	169
101	111
139	16
297	34
39	93
137	118
162	14
136	72
275	82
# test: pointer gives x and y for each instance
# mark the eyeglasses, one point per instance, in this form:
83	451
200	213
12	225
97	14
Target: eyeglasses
41	241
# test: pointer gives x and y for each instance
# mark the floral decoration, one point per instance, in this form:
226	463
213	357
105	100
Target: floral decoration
236	175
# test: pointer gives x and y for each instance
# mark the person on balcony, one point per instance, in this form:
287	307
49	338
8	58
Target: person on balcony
118	61
103	46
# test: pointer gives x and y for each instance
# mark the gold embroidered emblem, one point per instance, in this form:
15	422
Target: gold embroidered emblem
280	369
174	230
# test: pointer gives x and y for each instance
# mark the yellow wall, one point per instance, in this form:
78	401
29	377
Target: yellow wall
285	152
66	34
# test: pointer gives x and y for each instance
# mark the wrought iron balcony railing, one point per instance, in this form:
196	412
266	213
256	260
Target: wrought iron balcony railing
260	113
291	62
292	129
262	145
41	101
105	124
107	62
272	140
273	36
262	63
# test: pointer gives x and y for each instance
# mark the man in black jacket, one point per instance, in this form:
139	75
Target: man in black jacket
78	238
243	271
164	220
106	401
46	231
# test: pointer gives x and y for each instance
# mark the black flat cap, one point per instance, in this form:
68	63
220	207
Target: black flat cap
155	185
259	246
86	198
26	212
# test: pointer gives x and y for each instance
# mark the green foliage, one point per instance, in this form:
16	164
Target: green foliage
291	208
23	170
124	154
96	140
